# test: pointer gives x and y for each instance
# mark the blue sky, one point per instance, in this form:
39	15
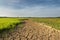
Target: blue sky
30	8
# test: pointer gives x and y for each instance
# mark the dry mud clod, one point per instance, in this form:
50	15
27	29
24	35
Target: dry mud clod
32	31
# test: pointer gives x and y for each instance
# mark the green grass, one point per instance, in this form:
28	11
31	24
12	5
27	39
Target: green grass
6	23
53	22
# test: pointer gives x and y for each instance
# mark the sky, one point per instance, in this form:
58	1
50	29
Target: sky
30	8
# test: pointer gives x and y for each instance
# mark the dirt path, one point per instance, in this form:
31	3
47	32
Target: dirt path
33	31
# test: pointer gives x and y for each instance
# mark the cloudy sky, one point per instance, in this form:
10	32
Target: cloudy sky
30	8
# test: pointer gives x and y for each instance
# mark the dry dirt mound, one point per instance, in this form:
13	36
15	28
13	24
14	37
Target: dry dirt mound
32	31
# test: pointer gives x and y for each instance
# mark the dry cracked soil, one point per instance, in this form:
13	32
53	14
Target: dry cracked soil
32	31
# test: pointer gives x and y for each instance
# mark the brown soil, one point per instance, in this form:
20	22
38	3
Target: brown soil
32	31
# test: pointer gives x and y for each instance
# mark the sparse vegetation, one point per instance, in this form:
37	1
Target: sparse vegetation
53	22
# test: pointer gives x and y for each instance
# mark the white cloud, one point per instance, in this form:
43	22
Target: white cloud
9	2
7	5
5	11
30	11
12	1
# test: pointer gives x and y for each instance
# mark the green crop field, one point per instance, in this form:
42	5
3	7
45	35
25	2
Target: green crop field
6	23
53	22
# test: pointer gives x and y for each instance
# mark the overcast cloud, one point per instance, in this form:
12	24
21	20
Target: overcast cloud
30	8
